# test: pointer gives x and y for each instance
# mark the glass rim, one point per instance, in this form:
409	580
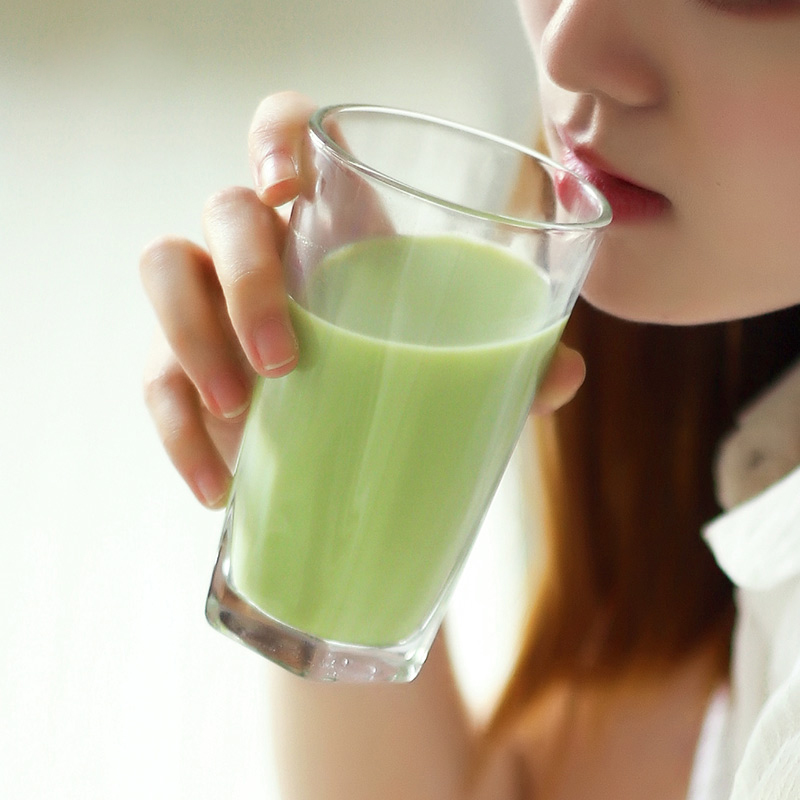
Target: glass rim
316	125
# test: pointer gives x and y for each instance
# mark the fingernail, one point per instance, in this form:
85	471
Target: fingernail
275	169
229	395
211	488
276	346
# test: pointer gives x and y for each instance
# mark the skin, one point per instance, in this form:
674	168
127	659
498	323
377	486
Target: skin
698	100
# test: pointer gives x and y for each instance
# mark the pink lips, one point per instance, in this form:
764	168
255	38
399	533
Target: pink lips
629	201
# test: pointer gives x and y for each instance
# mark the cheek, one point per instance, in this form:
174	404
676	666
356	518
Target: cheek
752	143
765	126
748	192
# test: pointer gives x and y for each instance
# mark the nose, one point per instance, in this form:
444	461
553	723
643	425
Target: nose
603	47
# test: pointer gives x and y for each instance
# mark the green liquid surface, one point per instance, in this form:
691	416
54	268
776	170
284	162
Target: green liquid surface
365	473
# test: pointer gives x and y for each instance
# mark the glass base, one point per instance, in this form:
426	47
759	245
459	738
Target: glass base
299	652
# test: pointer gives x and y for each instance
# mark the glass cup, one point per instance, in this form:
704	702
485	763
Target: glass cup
431	269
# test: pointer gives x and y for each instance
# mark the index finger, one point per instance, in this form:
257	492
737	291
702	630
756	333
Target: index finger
275	143
244	240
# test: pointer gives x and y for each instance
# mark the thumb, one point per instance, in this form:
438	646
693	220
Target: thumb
561	381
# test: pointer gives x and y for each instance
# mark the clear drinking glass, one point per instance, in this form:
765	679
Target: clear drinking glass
431	269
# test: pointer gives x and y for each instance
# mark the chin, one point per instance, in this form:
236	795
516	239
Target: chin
640	308
629	281
657	305
632	298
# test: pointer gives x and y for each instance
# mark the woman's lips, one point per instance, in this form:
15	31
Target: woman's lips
629	201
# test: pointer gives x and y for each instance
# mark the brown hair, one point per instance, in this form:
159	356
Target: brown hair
627	476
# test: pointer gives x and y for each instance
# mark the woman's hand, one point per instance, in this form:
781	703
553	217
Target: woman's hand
561	382
223	312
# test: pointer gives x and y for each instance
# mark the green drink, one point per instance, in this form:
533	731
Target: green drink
364	474
430	269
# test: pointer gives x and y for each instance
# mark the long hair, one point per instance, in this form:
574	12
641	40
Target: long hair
626	466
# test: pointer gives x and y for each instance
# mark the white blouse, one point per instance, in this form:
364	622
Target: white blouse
749	748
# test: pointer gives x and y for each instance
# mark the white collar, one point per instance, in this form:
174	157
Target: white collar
757	542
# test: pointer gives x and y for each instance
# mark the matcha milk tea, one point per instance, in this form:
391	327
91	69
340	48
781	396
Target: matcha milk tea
363	477
364	474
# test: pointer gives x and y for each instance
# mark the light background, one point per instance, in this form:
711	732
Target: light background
117	119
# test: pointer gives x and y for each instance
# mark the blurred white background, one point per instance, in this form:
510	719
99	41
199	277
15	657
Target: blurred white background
117	119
